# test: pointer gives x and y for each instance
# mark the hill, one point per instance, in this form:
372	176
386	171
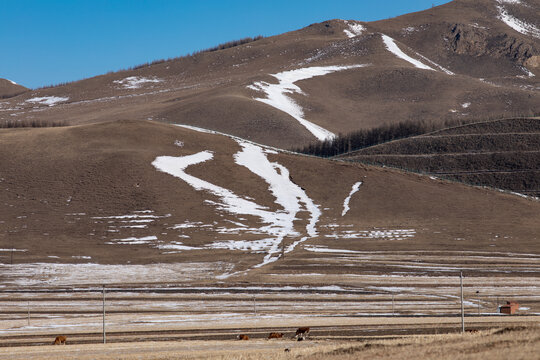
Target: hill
466	60
501	154
10	88
141	192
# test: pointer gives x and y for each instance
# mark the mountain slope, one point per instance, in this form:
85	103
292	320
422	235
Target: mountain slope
132	192
10	88
457	61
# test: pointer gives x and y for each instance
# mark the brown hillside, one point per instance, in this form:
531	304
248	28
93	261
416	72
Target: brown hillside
493	67
9	89
83	191
503	154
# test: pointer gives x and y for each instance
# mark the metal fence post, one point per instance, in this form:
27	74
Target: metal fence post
462	309
104	337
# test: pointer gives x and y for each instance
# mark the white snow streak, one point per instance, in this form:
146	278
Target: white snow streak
134	240
516	24
276	94
288	195
47	100
354	30
13	82
346	207
393	48
135	82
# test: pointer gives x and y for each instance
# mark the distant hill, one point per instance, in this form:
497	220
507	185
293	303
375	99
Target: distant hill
10	88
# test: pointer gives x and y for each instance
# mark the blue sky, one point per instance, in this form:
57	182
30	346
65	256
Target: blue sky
51	41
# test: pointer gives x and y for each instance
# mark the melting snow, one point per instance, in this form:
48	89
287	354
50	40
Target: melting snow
288	195
400	234
276	94
393	48
516	24
135	82
324	249
346	207
134	240
354	30
47	100
527	71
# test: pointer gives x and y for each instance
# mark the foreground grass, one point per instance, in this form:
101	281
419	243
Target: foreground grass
505	343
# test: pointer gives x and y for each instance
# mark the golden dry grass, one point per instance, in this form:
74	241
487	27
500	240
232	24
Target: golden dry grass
504	343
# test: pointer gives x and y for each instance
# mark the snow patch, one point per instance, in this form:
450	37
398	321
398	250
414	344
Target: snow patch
354	29
135	82
397	234
346	207
465	105
324	249
47	100
527	71
289	196
13	82
276	94
516	24
134	240
393	48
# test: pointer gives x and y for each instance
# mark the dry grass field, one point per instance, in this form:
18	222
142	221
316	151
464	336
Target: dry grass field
504	343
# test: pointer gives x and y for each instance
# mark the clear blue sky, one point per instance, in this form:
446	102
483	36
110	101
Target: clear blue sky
51	41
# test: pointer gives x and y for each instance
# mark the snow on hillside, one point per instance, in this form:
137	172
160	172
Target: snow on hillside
13	82
135	82
516	24
354	189
354	29
276	94
47	100
290	197
393	48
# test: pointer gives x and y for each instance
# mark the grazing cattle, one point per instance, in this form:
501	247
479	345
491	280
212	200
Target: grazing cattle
275	335
302	333
61	339
243	337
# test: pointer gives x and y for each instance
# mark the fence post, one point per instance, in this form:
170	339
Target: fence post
462	309
104	337
254	306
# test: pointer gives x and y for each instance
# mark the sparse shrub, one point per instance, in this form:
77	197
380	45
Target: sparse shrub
10	124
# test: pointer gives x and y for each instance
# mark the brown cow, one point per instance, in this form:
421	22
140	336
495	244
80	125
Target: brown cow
275	335
61	339
242	337
302	333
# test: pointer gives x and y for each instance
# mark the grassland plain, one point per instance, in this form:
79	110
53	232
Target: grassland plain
516	342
